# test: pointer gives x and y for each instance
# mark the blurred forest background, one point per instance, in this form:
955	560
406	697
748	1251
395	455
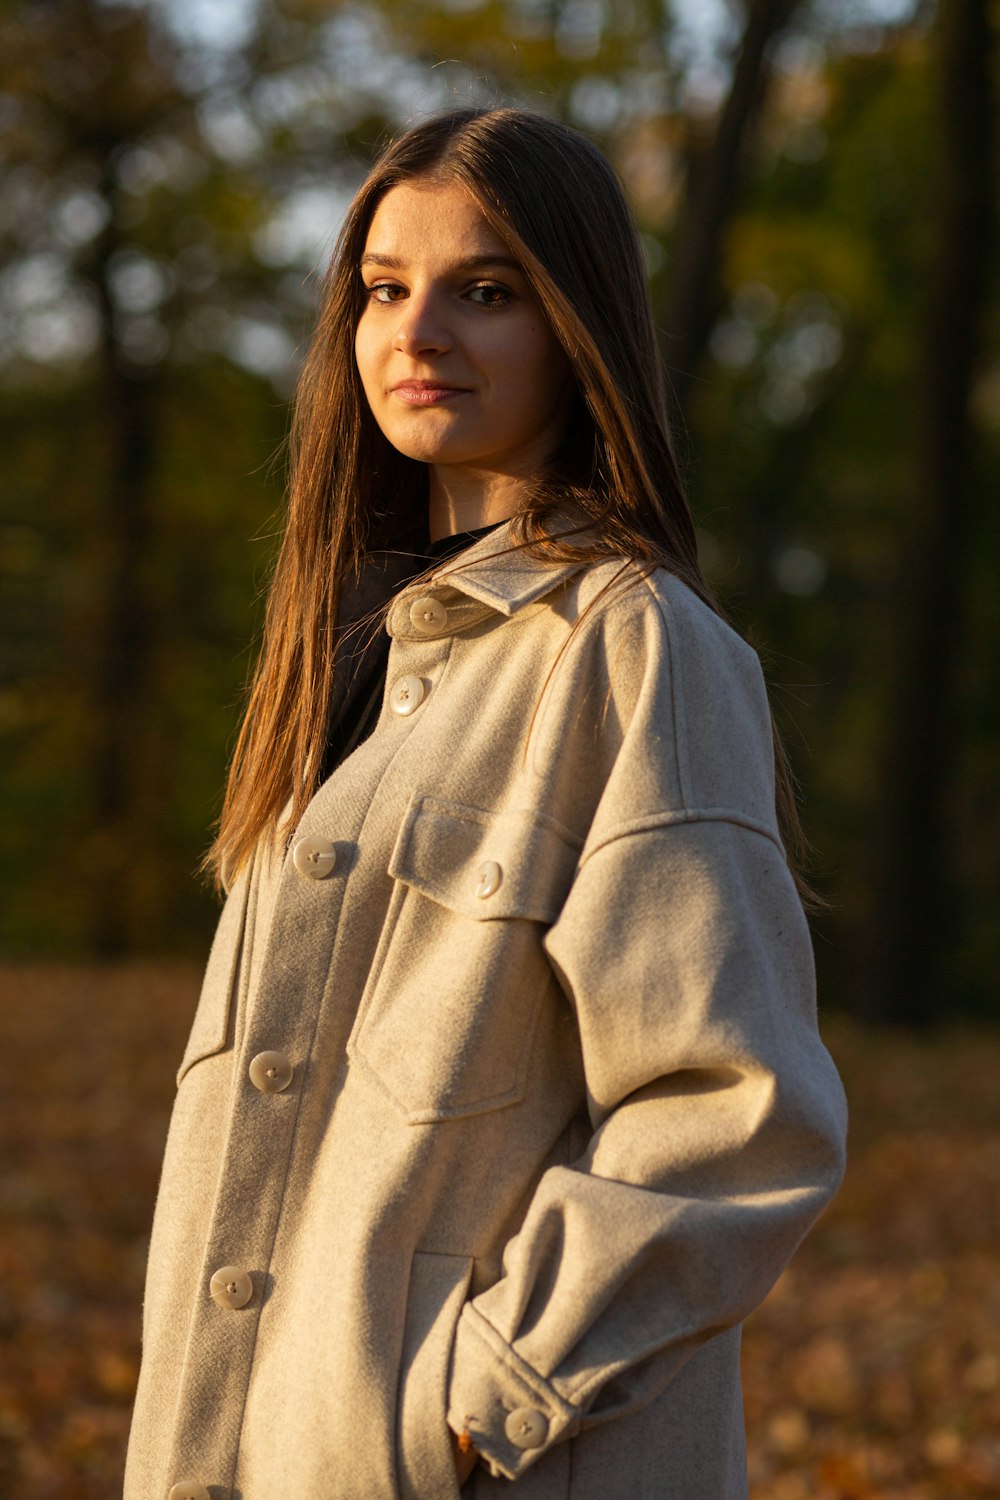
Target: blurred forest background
816	184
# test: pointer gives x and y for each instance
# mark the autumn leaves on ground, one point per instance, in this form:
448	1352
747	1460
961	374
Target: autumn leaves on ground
873	1370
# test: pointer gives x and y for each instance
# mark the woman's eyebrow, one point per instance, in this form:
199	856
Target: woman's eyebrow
469	263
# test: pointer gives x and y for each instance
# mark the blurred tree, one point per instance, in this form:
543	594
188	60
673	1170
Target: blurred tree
714	174
921	886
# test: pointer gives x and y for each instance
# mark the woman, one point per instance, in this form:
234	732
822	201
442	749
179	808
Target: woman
504	1101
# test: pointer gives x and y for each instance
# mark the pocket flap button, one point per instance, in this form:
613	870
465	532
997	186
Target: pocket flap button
490	877
314	856
188	1489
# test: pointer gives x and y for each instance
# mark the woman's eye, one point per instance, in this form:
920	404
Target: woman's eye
489	294
384	291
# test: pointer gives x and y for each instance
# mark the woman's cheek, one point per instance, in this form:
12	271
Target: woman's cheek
366	355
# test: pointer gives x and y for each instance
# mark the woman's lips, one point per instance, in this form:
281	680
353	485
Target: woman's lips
423	393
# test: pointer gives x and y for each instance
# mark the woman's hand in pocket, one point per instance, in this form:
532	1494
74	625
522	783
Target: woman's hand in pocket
465	1457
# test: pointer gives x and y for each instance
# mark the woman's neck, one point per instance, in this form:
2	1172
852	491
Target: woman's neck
467	500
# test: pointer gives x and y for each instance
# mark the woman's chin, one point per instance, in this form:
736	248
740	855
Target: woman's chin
426	448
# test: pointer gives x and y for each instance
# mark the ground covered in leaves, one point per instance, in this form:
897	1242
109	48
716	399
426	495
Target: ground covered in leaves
873	1370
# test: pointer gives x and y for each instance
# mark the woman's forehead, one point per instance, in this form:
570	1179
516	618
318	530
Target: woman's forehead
424	218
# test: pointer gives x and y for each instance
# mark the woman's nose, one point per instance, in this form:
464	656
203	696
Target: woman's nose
421	329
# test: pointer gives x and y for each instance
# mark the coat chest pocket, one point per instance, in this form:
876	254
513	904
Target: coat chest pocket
446	1020
210	1028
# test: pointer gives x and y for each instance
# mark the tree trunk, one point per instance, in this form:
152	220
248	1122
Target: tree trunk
712	185
122	805
917	911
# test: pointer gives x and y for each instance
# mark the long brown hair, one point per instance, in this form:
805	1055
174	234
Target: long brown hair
556	201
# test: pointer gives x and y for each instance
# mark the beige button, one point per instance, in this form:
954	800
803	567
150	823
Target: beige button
314	856
406	696
188	1489
271	1072
231	1287
526	1427
428	615
490	878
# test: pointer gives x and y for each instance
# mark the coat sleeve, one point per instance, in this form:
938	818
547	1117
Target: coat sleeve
718	1132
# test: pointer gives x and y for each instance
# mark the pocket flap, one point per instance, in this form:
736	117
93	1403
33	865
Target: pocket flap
485	865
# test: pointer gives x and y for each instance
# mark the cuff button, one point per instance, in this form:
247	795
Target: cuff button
526	1427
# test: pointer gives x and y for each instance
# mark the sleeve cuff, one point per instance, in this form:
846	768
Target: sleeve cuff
512	1415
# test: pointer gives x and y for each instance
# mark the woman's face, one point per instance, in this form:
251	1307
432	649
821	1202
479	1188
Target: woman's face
457	361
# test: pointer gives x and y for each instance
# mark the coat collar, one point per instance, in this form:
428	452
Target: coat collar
488	577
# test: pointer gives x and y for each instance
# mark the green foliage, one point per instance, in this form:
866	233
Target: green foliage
168	199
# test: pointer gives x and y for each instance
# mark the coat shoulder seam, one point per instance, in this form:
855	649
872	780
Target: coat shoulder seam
672	818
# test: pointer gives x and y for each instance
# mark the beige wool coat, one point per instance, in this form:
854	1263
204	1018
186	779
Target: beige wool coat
504	1101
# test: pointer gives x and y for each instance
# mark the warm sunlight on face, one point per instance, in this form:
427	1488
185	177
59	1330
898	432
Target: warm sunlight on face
458	363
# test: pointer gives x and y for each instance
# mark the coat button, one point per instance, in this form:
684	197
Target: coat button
270	1072
231	1287
526	1427
188	1489
490	878
406	696
314	856
428	615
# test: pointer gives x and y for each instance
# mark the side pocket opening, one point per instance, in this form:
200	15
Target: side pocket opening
437	1291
